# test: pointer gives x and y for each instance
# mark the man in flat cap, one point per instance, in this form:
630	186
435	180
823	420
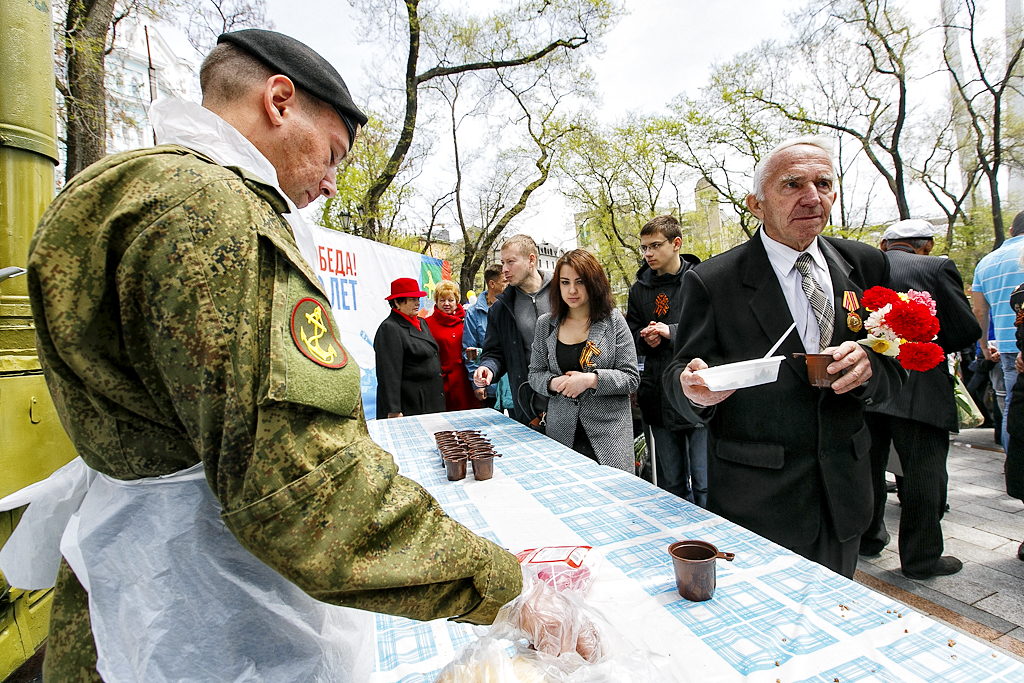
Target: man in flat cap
192	356
917	421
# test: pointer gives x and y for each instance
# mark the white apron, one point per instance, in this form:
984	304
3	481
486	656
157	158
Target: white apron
173	596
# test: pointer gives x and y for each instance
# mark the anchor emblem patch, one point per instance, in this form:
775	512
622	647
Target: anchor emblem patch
313	335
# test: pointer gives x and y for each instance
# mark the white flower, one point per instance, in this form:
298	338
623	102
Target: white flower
882	345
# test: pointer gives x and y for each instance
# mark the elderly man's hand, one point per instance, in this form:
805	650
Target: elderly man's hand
696	390
853	358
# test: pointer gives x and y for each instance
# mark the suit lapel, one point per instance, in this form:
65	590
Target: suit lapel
839	269
769	306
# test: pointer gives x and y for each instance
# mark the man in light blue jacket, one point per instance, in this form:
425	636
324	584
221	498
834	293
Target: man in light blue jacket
497	396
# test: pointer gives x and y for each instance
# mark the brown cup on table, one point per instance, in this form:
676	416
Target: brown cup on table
694	565
817	373
455	468
483	466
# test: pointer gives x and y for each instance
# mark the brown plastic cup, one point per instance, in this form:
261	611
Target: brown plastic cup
694	564
817	373
456	468
483	466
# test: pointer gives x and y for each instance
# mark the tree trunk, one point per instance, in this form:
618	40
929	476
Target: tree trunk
370	207
86	40
997	211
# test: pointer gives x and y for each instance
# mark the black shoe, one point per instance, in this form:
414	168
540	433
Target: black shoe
1020	552
872	547
946	565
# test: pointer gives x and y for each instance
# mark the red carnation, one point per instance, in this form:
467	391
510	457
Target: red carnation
912	321
920	356
877	297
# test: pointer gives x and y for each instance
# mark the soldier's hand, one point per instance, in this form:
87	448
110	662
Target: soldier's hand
481	393
696	389
483	376
852	360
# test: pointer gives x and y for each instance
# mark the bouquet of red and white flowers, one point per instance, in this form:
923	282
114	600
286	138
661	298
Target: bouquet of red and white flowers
903	326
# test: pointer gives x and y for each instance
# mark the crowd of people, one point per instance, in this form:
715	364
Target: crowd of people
802	466
185	348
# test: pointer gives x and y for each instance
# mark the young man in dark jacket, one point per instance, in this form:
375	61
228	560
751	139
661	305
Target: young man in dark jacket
680	447
511	323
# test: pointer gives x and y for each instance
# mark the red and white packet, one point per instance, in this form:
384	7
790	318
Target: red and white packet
563	567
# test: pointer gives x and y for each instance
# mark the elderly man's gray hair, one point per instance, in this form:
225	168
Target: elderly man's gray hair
761	169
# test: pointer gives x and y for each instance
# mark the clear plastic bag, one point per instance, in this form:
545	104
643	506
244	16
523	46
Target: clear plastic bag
556	638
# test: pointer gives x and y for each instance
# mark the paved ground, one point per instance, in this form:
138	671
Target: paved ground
983	528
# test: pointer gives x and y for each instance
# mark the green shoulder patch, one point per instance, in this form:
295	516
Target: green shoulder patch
314	335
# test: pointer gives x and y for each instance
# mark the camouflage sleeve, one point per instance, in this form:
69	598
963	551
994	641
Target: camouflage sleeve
219	306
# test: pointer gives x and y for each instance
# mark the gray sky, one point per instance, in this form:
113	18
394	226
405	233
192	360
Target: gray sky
660	49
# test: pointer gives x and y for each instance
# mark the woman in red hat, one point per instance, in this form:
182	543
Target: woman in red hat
445	325
408	364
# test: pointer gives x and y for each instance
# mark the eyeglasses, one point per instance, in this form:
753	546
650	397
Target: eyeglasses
653	246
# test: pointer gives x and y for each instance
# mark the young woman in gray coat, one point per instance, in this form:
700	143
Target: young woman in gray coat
585	360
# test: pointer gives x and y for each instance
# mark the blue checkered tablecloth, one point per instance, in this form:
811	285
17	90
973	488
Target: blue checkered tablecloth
775	616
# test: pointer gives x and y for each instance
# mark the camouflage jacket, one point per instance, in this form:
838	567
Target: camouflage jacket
177	322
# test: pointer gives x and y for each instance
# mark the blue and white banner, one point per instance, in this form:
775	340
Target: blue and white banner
356	273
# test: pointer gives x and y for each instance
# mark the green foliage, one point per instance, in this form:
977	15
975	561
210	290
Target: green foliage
364	163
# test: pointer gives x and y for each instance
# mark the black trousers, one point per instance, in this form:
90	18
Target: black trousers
922	449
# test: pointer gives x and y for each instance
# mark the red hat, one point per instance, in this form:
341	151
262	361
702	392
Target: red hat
405	287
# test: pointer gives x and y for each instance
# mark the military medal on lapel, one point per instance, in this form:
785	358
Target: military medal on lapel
312	333
851	303
590	351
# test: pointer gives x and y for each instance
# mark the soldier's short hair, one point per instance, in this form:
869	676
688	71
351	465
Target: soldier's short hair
229	74
667	226
492	273
445	287
523	244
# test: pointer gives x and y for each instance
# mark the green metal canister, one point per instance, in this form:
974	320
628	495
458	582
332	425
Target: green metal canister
32	441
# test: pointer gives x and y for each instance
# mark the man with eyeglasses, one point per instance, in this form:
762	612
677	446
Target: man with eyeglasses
679	445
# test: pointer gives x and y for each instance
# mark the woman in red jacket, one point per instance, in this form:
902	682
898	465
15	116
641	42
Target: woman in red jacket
445	325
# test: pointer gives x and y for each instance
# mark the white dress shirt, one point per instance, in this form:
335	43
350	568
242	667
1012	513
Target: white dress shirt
783	260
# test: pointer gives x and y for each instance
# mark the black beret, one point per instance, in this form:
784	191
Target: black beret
306	68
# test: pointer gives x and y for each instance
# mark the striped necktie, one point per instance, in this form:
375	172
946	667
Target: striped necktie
823	309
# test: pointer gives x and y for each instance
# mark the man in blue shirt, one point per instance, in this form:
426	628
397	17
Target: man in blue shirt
995	278
474	329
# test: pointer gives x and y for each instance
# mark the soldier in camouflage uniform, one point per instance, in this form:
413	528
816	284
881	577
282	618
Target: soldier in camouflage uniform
178	322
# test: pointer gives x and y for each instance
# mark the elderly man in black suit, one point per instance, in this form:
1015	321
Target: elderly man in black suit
918	420
787	460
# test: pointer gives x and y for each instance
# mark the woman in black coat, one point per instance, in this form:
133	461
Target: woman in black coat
409	378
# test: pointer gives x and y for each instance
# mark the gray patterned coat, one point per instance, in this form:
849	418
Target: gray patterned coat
604	411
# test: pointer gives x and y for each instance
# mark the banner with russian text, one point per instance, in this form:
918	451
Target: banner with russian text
356	273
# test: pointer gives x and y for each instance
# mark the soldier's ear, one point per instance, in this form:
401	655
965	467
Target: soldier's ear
280	98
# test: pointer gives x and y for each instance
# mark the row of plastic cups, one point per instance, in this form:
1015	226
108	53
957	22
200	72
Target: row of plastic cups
483	466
